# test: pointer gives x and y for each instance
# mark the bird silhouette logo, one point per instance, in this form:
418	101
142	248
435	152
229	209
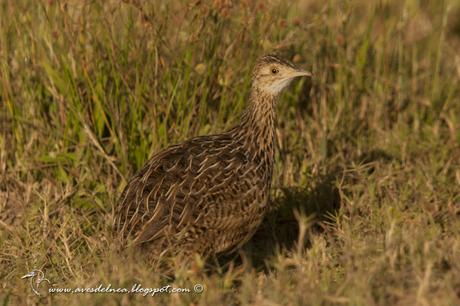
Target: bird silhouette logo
36	277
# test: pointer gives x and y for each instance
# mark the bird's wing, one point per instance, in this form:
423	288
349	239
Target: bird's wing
181	186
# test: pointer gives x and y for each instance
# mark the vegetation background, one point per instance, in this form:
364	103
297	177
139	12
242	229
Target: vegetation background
368	170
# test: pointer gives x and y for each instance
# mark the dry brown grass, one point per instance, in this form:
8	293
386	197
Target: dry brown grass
368	172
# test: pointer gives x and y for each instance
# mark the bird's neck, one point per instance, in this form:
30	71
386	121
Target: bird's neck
257	127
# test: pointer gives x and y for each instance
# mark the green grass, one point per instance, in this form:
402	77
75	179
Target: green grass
368	170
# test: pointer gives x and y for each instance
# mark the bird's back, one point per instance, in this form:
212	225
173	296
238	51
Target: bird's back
207	194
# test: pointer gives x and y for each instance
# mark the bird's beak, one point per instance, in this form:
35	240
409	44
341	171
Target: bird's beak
299	72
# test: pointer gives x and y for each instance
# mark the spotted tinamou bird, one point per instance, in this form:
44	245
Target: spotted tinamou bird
209	194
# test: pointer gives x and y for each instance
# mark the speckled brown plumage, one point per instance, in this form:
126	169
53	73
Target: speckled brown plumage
210	193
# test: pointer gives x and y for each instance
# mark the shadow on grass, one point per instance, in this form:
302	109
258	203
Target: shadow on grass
280	229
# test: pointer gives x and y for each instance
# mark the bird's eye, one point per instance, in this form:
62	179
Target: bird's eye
275	70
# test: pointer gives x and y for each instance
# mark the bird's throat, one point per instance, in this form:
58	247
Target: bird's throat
257	127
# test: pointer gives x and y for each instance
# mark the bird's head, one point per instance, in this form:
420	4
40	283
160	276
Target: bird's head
272	74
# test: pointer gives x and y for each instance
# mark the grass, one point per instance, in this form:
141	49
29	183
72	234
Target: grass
368	170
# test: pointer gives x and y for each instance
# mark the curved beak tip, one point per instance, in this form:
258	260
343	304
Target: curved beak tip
306	73
299	73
